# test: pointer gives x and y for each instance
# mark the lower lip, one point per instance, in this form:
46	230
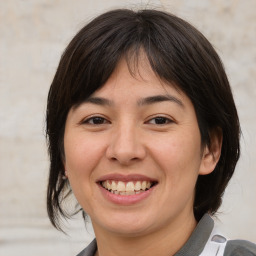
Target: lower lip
126	199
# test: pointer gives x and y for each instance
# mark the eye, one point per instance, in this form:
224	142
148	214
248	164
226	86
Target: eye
160	120
95	120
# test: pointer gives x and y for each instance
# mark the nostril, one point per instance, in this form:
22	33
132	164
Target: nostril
125	148
124	159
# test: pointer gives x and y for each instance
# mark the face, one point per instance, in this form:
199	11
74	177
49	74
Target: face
133	154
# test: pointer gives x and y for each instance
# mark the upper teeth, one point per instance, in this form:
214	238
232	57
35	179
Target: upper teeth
130	186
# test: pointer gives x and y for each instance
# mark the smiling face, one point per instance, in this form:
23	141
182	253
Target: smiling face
133	154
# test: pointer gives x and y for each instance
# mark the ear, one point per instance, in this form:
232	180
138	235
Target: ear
211	153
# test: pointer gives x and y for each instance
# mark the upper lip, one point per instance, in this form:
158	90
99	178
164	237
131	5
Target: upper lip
125	178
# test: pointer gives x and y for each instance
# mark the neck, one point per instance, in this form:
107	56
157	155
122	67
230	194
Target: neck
163	242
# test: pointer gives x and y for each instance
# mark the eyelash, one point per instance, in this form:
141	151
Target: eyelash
99	119
159	120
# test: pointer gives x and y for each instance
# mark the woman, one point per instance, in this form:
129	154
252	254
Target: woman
142	126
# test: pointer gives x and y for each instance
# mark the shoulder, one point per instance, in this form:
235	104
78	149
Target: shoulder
240	248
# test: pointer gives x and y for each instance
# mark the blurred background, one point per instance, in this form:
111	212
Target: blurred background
33	35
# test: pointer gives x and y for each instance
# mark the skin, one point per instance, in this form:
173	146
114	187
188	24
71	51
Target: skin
127	139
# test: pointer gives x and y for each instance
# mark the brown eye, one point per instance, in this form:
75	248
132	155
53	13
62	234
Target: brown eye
160	120
97	120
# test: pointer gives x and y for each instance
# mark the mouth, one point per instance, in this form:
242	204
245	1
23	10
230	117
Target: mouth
127	188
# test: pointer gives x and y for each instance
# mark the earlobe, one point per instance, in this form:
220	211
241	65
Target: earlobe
65	175
211	153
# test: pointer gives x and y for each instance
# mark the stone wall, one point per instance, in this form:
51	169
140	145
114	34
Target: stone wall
33	36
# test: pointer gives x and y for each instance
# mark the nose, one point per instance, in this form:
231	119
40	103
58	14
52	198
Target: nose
126	146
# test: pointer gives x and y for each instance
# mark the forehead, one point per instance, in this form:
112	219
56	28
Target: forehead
138	81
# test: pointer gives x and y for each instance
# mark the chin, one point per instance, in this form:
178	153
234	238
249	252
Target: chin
130	230
126	225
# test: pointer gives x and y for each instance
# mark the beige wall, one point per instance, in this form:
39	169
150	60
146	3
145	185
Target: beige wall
33	35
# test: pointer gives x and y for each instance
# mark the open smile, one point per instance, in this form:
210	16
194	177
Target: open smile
127	188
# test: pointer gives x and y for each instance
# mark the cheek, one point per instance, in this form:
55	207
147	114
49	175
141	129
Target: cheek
178	155
82	156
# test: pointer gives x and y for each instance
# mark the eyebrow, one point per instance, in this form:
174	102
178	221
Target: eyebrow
141	102
160	98
98	101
